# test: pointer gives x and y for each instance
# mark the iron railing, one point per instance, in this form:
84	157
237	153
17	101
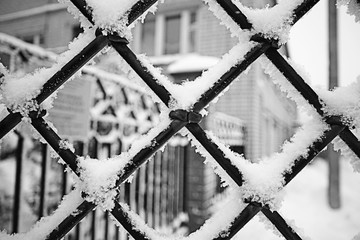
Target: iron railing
186	118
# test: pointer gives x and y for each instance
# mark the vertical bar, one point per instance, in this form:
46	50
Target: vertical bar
164	187
79	150
93	225
177	181
44	156
106	214
106	218
185	206
150	192
93	153
157	200
170	188
333	156
142	190
17	193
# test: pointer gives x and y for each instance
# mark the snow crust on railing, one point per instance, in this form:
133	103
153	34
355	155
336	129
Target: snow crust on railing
98	177
273	22
47	224
18	92
215	226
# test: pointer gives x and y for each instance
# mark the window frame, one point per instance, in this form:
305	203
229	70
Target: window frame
186	29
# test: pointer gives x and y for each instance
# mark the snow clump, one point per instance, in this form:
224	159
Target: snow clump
353	8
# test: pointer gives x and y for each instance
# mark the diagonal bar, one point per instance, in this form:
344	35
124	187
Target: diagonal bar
122	216
71	67
230	76
74	64
144	73
216	153
237	16
135	12
130	168
54	141
308	93
244	217
312	152
351	140
252	209
59	78
295	79
69	222
302	9
280	223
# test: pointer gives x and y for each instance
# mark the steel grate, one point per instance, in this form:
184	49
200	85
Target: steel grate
185	118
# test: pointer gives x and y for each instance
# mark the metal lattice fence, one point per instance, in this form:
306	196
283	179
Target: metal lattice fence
179	115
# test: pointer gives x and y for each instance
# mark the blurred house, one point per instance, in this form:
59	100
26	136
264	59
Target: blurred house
184	38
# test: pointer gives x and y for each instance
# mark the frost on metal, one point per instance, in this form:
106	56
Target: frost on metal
98	178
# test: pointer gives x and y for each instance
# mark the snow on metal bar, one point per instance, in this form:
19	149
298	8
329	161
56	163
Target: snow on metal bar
99	179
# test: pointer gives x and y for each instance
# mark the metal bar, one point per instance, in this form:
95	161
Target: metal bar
148	151
54	140
17	192
309	94
84	9
139	8
135	12
280	224
230	76
313	150
302	9
244	217
232	10
70	221
142	71
123	217
295	79
59	78
351	140
237	16
43	180
333	156
9	123
130	168
216	153
106	232
70	68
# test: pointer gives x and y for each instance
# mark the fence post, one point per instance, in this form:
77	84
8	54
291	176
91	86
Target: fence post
43	187
333	157
17	193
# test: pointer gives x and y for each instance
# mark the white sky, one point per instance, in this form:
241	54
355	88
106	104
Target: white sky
308	45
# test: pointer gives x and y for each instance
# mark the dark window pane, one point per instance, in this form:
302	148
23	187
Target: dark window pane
148	37
172	34
76	30
5	59
192	33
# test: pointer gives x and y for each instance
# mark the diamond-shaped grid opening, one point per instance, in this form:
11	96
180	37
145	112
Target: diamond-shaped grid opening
180	116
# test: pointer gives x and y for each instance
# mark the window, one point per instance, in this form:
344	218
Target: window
37	39
172	34
76	30
5	59
148	37
192	32
168	33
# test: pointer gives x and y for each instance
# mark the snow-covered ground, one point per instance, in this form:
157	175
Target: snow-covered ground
305	205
